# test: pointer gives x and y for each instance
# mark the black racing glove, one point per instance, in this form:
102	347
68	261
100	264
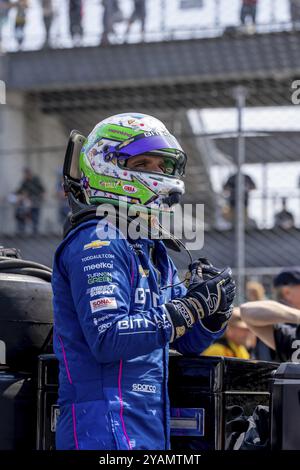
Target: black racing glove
202	268
209	299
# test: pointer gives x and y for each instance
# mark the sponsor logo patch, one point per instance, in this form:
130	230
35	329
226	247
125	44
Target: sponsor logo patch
146	388
99	321
104	303
103	328
102	290
128	188
102	265
96	244
99	277
99	256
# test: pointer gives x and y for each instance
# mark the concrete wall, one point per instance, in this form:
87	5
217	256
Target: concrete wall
47	134
25	133
12	140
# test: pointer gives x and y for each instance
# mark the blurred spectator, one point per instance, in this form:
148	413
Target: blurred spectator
75	15
236	340
138	14
277	324
230	188
248	10
112	14
5	5
295	12
30	194
287	287
22	211
254	291
48	14
284	219
20	21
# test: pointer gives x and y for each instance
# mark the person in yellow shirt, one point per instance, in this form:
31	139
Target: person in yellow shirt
236	340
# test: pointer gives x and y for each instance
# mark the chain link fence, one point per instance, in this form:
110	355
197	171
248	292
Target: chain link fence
244	157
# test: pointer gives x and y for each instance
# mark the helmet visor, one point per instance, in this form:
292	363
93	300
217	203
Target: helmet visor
156	145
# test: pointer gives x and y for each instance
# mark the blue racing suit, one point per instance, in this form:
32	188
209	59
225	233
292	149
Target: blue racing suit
111	337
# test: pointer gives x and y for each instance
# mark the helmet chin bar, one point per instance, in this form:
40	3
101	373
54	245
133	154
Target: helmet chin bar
173	198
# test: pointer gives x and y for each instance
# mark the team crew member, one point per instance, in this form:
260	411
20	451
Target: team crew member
118	302
277	324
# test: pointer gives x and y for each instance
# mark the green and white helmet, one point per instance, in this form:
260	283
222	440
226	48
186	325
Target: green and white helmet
103	163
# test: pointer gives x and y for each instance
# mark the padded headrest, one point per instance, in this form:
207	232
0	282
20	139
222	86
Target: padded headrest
71	164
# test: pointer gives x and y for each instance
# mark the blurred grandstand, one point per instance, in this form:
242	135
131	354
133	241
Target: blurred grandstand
186	71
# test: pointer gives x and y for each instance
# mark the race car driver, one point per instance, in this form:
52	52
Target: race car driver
118	302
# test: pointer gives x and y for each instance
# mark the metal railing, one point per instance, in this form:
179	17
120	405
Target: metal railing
165	20
262	210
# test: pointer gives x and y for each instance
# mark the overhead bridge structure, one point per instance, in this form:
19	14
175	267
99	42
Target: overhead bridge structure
50	92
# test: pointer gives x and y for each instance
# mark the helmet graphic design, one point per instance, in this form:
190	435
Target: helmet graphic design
105	176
